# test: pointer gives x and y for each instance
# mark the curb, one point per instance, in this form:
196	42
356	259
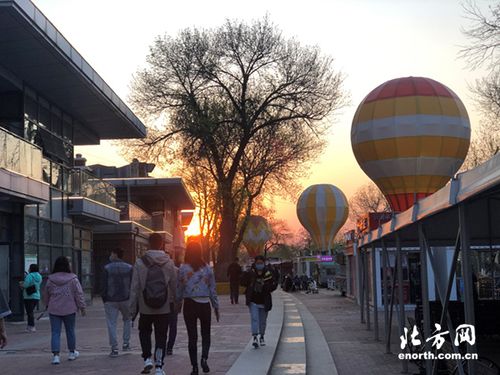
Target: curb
259	361
315	343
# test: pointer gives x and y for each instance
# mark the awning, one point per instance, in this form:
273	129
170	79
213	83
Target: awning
154	190
38	54
480	187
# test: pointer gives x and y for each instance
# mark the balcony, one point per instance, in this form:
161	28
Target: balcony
21	169
132	212
94	200
85	184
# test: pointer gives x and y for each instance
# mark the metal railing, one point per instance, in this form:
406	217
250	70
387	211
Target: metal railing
19	155
129	211
87	185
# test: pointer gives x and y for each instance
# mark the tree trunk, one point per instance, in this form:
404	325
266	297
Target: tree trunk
227	236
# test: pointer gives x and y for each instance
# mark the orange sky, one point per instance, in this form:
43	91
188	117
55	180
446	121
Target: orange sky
371	40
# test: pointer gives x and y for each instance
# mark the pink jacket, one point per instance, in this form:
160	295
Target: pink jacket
64	294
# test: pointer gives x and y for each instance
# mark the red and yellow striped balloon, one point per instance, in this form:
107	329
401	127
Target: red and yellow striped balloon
322	210
410	136
257	233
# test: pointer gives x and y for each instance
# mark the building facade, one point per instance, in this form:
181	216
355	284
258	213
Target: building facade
50	101
146	205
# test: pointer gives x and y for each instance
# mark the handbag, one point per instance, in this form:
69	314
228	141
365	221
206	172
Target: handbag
31	290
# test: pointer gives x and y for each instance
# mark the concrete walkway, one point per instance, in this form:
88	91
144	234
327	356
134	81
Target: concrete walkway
31	352
295	344
353	348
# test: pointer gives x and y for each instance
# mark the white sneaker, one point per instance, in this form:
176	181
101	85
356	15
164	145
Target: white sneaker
73	355
262	342
159	371
255	342
148	365
56	359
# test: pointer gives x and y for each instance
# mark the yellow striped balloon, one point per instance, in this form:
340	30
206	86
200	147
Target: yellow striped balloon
322	210
257	233
410	136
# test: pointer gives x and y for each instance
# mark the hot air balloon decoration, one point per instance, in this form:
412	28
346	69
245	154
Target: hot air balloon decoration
322	210
256	234
410	136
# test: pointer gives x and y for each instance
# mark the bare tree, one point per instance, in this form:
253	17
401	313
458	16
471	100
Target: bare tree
483	34
484	50
368	198
206	199
242	102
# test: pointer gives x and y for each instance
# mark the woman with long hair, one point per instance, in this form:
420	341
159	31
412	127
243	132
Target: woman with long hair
196	290
31	294
64	297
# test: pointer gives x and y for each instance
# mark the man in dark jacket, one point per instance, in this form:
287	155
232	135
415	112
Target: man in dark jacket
115	294
260	283
234	273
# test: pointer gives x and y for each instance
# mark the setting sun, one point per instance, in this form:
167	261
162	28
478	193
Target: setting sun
194	227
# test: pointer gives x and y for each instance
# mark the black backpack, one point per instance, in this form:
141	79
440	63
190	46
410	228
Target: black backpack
155	291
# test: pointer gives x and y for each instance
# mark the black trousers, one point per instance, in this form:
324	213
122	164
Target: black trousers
234	290
160	324
29	305
192	312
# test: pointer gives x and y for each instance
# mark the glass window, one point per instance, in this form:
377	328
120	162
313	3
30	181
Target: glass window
56	253
68	253
30	256
31	209
56	203
86	263
86	234
46	170
44	116
31	132
68	234
30	229
76	262
44	261
44	210
31	108
44	234
56	176
57	233
67	130
86	245
67	180
57	124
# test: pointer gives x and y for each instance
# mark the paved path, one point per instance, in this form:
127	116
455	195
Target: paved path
353	348
31	352
308	334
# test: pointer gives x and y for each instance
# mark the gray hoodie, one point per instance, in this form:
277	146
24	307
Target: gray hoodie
139	280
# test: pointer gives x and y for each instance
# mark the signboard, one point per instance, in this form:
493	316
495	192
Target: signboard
325	258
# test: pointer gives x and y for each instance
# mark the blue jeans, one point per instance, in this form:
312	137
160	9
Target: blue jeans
69	325
258	315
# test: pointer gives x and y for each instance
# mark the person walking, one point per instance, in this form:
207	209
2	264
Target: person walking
234	273
151	294
259	283
173	318
63	298
115	293
196	290
4	311
31	294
